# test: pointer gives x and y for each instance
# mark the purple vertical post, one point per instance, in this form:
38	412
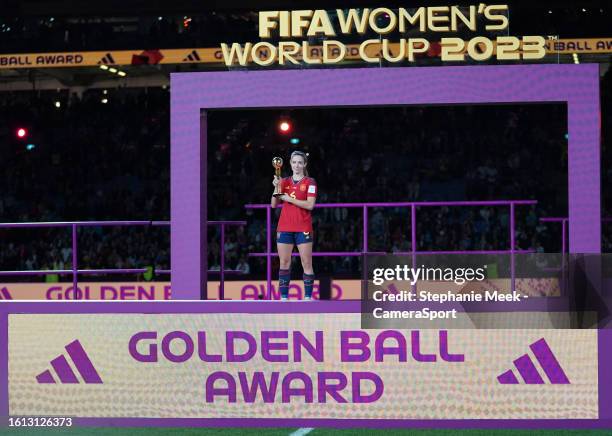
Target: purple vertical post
413	240
74	261
222	271
564	281
269	250
563	232
512	246
365	249
365	229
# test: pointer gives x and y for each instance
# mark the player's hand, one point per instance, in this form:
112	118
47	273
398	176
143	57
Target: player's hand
275	181
285	197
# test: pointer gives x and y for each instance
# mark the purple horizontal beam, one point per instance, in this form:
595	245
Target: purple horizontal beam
210	271
407	253
77	223
160	223
35	272
229	223
113	271
69	271
403	253
561	219
324	253
415	203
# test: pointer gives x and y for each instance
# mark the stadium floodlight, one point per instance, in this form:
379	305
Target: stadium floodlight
58	104
284	126
104	100
122	73
112	70
103	67
295	141
21	132
30	147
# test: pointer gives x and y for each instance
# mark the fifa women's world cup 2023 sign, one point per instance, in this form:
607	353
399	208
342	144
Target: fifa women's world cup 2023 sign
383	23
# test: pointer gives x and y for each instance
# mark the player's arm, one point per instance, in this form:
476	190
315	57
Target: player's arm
307	204
275	200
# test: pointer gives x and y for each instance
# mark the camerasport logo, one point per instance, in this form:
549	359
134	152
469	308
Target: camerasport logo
63	370
529	372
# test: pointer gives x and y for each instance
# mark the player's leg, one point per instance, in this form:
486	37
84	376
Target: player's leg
284	245
305	249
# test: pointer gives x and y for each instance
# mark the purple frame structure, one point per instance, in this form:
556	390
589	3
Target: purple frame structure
193	93
268	254
577	85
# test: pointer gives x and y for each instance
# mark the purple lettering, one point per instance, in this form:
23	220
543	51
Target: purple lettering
379	388
212	391
151	356
105	289
346	346
416	349
249	292
338	294
258	384
54	293
267	346
400	350
144	294
333	390
202	352
127	291
295	291
444	354
185	338
300	341
230	347
305	391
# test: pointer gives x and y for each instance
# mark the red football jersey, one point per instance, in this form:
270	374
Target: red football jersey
294	218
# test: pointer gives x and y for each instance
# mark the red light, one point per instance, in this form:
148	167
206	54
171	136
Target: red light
21	133
284	127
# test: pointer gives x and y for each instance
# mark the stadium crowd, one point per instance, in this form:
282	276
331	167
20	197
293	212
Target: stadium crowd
110	161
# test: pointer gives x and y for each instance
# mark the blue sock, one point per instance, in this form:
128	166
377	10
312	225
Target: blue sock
284	277
308	282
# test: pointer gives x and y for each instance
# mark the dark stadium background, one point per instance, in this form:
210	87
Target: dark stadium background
103	152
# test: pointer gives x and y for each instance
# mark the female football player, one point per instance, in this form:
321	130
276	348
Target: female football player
299	193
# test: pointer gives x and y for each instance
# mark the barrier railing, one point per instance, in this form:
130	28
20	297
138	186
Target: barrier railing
75	271
268	254
564	223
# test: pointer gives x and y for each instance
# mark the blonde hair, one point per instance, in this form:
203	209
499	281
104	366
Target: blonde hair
304	156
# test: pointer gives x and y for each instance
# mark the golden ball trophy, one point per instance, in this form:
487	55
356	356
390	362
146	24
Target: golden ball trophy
277	163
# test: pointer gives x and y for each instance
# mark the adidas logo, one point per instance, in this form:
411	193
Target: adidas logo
107	60
193	56
5	294
64	371
528	371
